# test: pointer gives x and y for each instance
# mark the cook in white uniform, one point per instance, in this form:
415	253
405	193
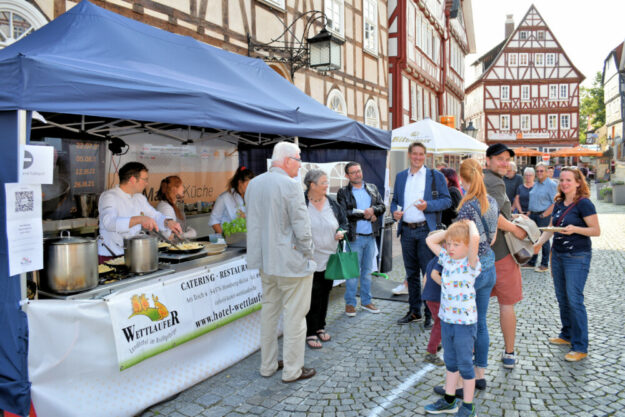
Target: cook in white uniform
170	195
124	210
231	203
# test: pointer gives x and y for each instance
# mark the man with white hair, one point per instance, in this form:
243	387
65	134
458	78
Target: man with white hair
281	248
512	181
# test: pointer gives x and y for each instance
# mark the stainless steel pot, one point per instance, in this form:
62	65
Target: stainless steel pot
141	253
71	264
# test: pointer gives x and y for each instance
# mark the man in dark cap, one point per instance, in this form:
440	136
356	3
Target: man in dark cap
508	286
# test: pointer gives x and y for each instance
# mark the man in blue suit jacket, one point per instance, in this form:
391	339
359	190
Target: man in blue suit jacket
415	207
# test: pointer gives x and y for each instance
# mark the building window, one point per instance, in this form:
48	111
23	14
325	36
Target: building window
564	91
17	20
505	92
523	60
525	92
512	60
550	60
540	35
413	101
335	12
539	60
410	45
372	116
419	106
370	24
552	121
336	102
565	121
504	122
523	35
525	122
553	92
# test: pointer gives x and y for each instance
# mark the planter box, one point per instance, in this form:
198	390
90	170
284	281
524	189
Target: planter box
618	194
608	198
599	186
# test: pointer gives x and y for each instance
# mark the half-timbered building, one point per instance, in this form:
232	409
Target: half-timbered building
614	98
527	91
359	89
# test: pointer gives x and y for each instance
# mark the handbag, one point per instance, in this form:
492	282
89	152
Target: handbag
343	265
439	224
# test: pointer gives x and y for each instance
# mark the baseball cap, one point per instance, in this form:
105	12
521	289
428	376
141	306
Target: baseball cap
498	148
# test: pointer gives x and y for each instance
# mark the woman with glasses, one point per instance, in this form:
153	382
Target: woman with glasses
328	223
231	203
576	218
171	203
522	199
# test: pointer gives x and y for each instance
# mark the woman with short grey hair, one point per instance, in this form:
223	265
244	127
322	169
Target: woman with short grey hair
328	223
522	200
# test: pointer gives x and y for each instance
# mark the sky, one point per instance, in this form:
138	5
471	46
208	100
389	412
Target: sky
586	30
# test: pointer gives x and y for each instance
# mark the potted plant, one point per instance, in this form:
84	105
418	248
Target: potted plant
599	186
606	194
618	192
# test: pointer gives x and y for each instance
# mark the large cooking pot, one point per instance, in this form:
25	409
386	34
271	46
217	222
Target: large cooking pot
71	264
141	253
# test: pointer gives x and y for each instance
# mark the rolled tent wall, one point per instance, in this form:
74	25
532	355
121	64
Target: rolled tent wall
14	385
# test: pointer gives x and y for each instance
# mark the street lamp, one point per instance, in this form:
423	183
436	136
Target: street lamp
321	52
471	130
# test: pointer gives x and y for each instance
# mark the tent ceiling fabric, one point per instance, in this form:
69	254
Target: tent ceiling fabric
94	62
438	138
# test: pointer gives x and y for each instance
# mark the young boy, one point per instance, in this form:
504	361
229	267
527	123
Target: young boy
431	294
458	312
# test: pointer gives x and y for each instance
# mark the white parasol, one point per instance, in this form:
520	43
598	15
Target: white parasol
438	138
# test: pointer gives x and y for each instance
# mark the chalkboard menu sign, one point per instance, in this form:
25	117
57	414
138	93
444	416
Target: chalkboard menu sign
86	167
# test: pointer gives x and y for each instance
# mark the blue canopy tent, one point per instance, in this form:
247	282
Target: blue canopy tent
90	61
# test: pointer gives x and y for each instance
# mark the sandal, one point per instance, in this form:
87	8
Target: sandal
313	342
323	335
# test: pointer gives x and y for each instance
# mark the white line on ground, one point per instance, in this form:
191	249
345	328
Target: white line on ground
403	387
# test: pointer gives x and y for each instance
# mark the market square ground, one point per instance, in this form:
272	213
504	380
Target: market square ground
373	367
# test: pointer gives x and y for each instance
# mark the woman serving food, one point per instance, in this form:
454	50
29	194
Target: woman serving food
170	194
231	204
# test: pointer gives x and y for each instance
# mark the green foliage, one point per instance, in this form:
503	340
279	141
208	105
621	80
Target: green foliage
592	106
618	182
604	191
238	225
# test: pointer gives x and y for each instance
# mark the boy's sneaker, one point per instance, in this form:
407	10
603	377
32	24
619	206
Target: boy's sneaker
434	359
508	360
441	406
464	412
542	269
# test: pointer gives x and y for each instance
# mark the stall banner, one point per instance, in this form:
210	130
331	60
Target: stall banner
166	314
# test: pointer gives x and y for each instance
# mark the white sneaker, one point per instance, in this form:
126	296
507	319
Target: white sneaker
400	290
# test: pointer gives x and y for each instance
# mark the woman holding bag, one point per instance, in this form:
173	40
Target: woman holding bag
570	258
326	218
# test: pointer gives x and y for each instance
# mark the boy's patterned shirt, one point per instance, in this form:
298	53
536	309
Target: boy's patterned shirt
457	290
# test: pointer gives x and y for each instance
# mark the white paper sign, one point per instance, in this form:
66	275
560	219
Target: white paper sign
36	164
24	227
161	316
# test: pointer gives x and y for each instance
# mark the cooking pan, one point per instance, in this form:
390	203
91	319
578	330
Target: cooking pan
53	195
172	249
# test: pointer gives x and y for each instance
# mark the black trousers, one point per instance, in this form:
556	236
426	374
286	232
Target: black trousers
319	298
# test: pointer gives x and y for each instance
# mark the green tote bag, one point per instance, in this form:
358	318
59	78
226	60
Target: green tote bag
343	265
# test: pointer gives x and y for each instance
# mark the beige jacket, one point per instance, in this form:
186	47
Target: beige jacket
279	239
522	250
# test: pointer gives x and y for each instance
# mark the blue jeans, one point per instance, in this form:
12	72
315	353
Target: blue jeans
484	284
365	247
544	256
416	256
570	271
458	341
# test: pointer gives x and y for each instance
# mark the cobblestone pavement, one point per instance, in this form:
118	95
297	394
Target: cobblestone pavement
373	367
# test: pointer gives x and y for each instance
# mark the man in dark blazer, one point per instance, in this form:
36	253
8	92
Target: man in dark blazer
415	207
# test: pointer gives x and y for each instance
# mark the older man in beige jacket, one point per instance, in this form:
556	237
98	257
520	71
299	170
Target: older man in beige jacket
280	246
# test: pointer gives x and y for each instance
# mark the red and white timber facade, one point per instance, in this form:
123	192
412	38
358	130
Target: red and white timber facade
428	41
527	93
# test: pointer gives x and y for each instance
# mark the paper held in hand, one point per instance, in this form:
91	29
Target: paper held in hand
551	229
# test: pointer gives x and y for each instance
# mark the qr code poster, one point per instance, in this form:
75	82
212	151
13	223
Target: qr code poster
24	227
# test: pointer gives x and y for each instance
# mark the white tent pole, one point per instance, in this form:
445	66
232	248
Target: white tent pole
21	140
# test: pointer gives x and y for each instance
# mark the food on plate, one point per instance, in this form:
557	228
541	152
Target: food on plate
186	246
163	245
103	269
116	261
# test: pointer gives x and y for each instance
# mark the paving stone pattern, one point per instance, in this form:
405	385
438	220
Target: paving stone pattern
373	367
